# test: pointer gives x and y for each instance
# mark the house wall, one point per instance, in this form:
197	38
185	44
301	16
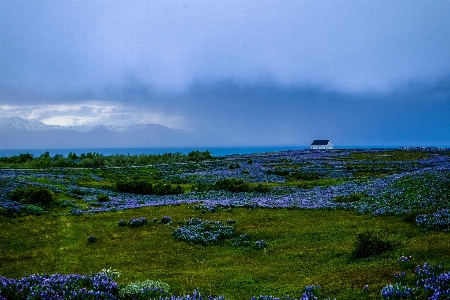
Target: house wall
327	146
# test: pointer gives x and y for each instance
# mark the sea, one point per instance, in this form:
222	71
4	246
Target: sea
215	151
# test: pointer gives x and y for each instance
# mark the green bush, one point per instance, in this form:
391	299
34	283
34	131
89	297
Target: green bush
202	187
145	187
261	188
34	210
166	220
33	195
162	189
141	186
232	185
295	176
370	243
102	198
199	156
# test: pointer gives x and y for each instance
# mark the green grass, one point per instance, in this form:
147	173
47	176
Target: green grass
323	182
305	247
390	155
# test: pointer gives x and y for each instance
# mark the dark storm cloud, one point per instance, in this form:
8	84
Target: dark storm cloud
273	72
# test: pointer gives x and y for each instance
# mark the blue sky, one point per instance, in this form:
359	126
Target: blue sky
247	72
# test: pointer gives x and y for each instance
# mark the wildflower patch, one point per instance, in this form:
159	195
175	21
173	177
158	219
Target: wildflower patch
196	231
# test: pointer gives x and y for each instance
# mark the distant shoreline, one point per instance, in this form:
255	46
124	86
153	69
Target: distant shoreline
215	151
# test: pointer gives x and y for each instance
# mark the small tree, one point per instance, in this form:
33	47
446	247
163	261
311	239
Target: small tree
33	195
102	198
370	243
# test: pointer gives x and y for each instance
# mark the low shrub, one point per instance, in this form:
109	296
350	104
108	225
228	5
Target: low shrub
103	198
370	243
202	187
122	223
166	220
162	189
232	185
145	187
92	239
233	166
295	176
34	210
33	195
261	188
134	222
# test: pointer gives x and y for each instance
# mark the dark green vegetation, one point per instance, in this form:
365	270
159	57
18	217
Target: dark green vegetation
33	195
369	244
146	187
357	222
96	160
305	247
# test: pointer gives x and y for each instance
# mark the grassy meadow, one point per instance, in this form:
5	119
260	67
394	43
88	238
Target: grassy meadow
299	203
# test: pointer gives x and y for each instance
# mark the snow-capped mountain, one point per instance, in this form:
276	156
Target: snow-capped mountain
22	124
18	133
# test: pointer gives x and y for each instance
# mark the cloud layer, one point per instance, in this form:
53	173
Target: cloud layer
275	72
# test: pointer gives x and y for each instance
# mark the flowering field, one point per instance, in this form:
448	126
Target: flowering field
410	188
392	182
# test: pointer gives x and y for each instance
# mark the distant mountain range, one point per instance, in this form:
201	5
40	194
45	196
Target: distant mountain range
18	133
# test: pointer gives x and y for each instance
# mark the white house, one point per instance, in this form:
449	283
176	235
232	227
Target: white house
321	144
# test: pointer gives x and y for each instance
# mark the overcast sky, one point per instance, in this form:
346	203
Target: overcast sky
251	72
